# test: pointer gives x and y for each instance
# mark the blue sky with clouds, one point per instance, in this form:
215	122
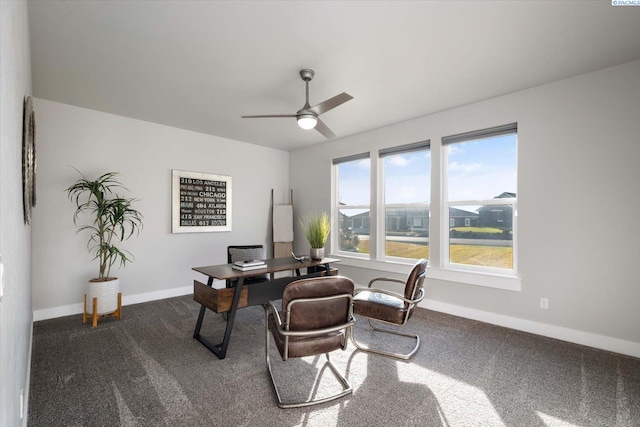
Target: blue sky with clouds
478	170
482	169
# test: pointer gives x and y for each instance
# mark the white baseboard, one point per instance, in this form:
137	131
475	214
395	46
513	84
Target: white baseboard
68	310
25	408
602	342
153	296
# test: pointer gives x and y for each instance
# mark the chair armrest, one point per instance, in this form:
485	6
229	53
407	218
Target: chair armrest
386	279
271	308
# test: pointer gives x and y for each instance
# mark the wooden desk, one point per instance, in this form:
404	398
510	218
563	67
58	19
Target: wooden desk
241	296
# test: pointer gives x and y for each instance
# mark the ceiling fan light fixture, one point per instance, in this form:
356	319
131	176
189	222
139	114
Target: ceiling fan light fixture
307	121
307	116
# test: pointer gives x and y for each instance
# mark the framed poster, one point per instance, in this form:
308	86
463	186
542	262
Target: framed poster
201	202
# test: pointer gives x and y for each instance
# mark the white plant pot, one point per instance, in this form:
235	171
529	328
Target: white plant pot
107	294
317	253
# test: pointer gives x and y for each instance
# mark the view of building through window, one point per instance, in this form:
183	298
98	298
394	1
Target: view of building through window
354	205
481	178
407	188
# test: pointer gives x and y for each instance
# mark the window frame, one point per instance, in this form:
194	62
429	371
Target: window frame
438	270
381	207
337	206
446	204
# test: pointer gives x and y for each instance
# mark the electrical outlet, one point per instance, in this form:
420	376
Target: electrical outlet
544	303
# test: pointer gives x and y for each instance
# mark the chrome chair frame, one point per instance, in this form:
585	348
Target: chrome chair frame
283	329
409	305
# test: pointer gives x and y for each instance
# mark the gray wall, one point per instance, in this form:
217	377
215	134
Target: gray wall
578	155
144	154
15	236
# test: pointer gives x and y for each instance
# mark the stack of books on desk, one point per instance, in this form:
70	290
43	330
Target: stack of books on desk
252	264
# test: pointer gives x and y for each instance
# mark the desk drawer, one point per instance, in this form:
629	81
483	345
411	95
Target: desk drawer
333	271
218	300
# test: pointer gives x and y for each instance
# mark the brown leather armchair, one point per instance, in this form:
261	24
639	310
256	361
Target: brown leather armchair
389	307
316	318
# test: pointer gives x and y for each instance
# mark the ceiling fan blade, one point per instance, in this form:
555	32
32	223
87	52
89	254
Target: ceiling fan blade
324	130
331	103
264	116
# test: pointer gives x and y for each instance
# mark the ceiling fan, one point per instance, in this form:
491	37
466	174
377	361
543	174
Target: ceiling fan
307	117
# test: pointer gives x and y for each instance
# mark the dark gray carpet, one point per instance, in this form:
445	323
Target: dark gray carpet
147	370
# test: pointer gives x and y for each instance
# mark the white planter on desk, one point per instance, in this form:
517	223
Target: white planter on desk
317	253
107	294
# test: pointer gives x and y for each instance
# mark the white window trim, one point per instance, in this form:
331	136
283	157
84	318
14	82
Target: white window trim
446	204
490	280
334	237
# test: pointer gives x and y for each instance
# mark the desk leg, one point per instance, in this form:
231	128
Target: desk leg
230	318
220	350
196	333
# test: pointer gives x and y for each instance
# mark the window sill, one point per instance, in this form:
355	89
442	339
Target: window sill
498	281
385	266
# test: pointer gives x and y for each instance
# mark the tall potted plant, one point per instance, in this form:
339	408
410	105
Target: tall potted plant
111	220
317	228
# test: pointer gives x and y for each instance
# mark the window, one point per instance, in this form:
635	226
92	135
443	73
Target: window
480	175
353	195
406	174
382	201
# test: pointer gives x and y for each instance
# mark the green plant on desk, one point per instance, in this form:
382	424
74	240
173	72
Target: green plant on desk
317	228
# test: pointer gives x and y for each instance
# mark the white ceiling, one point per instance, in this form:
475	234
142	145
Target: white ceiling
200	65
